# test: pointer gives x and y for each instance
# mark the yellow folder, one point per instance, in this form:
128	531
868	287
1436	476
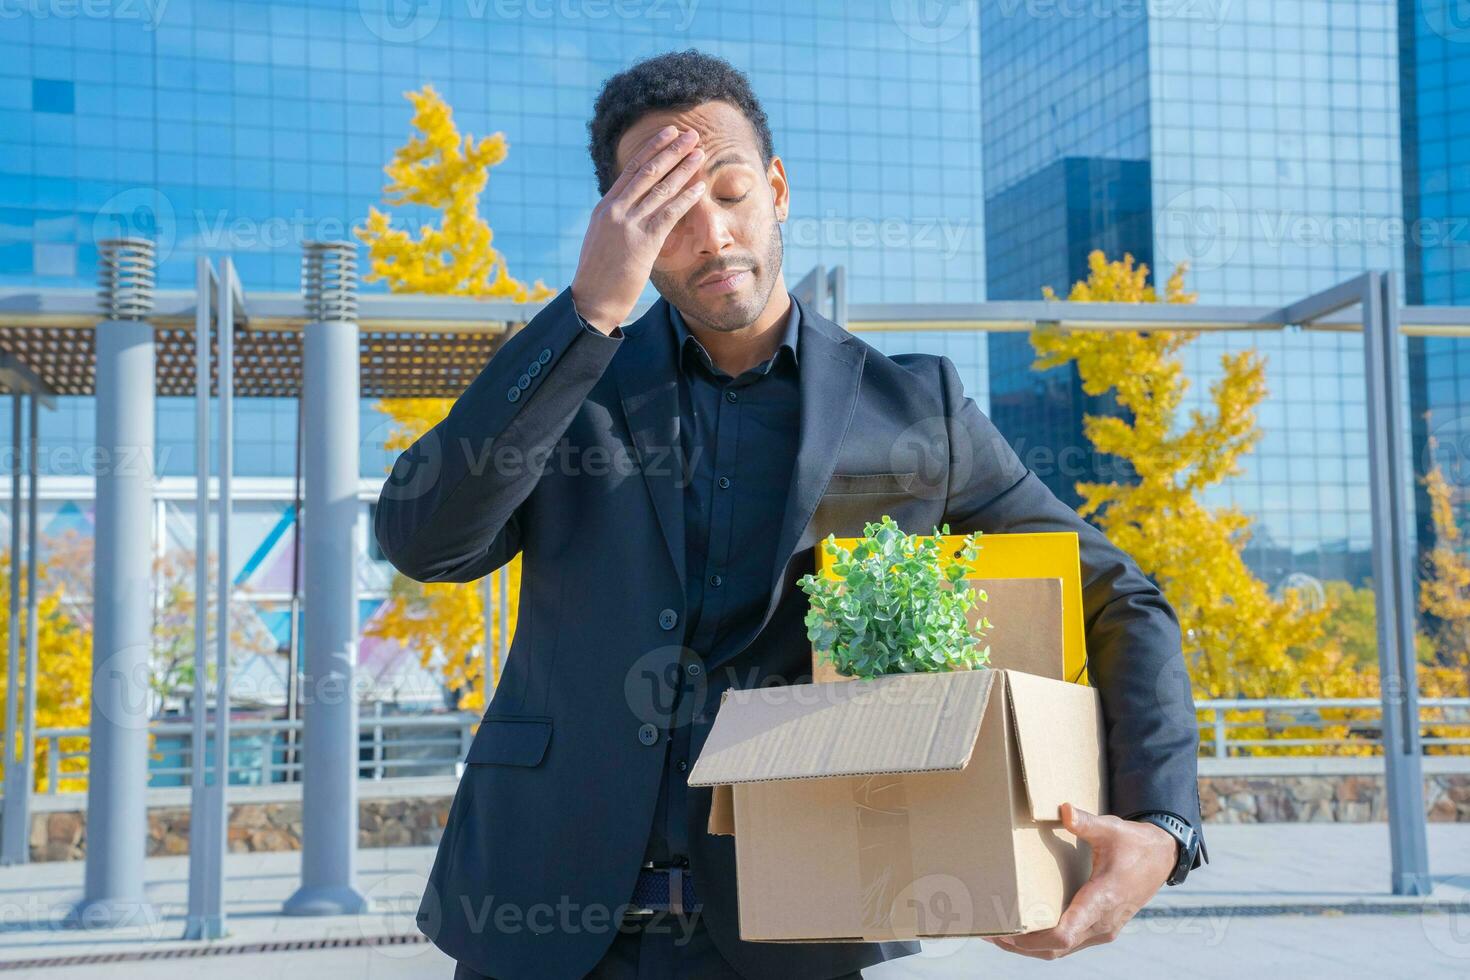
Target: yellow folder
1051	554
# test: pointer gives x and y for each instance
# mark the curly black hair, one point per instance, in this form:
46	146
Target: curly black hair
674	80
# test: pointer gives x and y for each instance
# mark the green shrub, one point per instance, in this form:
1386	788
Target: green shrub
888	612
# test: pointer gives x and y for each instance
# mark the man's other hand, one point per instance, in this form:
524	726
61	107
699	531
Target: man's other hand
1131	860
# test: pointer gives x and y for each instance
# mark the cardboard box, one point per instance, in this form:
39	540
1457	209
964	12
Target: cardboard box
919	805
907	806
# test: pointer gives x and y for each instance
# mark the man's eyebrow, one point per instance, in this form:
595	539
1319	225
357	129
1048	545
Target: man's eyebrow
733	156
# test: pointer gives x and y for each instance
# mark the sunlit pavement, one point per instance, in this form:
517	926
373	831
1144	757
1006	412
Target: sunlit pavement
1277	900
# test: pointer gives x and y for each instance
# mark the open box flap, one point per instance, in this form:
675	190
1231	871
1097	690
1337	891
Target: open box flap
1059	737
893	724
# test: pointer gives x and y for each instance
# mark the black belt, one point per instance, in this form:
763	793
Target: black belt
664	886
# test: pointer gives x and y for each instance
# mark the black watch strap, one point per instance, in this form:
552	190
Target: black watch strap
1184	833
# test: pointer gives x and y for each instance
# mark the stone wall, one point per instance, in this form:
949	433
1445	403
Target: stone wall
408	812
396	813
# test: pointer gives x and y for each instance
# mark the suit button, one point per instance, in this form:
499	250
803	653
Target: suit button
693	670
668	619
514	395
523	381
545	356
534	368
647	734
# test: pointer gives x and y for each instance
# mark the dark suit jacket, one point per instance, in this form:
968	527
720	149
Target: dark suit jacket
564	449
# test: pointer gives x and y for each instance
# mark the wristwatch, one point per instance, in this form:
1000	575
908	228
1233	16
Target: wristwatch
1191	845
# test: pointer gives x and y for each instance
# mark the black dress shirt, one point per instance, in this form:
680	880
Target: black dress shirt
738	439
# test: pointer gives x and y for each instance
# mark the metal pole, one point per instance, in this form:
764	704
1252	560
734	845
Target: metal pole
1393	581
206	916
293	682
838	287
117	819
28	729
504	574
10	829
219	788
330	387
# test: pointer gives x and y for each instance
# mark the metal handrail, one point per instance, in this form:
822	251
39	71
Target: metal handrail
394	746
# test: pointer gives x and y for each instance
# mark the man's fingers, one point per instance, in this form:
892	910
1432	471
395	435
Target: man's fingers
1077	923
664	194
640	156
1087	826
653	170
669	215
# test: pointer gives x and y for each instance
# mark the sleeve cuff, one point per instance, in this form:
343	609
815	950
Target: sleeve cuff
617	332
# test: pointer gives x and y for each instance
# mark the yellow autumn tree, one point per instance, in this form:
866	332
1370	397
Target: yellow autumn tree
1444	589
64	664
445	171
1239	640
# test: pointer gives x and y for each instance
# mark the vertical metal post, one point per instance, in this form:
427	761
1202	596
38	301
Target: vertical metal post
206	872
18	795
1393	582
10	830
837	281
117	818
27	784
330	386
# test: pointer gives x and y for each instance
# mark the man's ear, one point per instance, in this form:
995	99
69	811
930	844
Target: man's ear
782	195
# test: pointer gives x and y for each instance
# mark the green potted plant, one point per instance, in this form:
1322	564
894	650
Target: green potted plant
887	611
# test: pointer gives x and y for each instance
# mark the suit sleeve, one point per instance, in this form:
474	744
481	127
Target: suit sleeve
452	508
1134	651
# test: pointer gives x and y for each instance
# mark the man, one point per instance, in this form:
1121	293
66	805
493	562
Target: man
665	483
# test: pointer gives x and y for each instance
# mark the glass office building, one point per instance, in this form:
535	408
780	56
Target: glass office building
1259	141
1434	64
246	128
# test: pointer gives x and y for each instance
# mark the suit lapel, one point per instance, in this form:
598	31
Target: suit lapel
830	368
648	384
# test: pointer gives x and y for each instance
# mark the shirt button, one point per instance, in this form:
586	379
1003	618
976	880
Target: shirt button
545	356
715	580
731	396
693	670
668	619
683	765
724	483
647	734
513	395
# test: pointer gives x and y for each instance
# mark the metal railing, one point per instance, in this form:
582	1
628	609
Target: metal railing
1322	726
391	746
268	752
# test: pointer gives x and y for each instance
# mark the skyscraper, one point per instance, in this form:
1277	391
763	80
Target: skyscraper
1256	140
1434	65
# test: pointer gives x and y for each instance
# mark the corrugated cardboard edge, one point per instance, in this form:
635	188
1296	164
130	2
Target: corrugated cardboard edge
817	731
1049	742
